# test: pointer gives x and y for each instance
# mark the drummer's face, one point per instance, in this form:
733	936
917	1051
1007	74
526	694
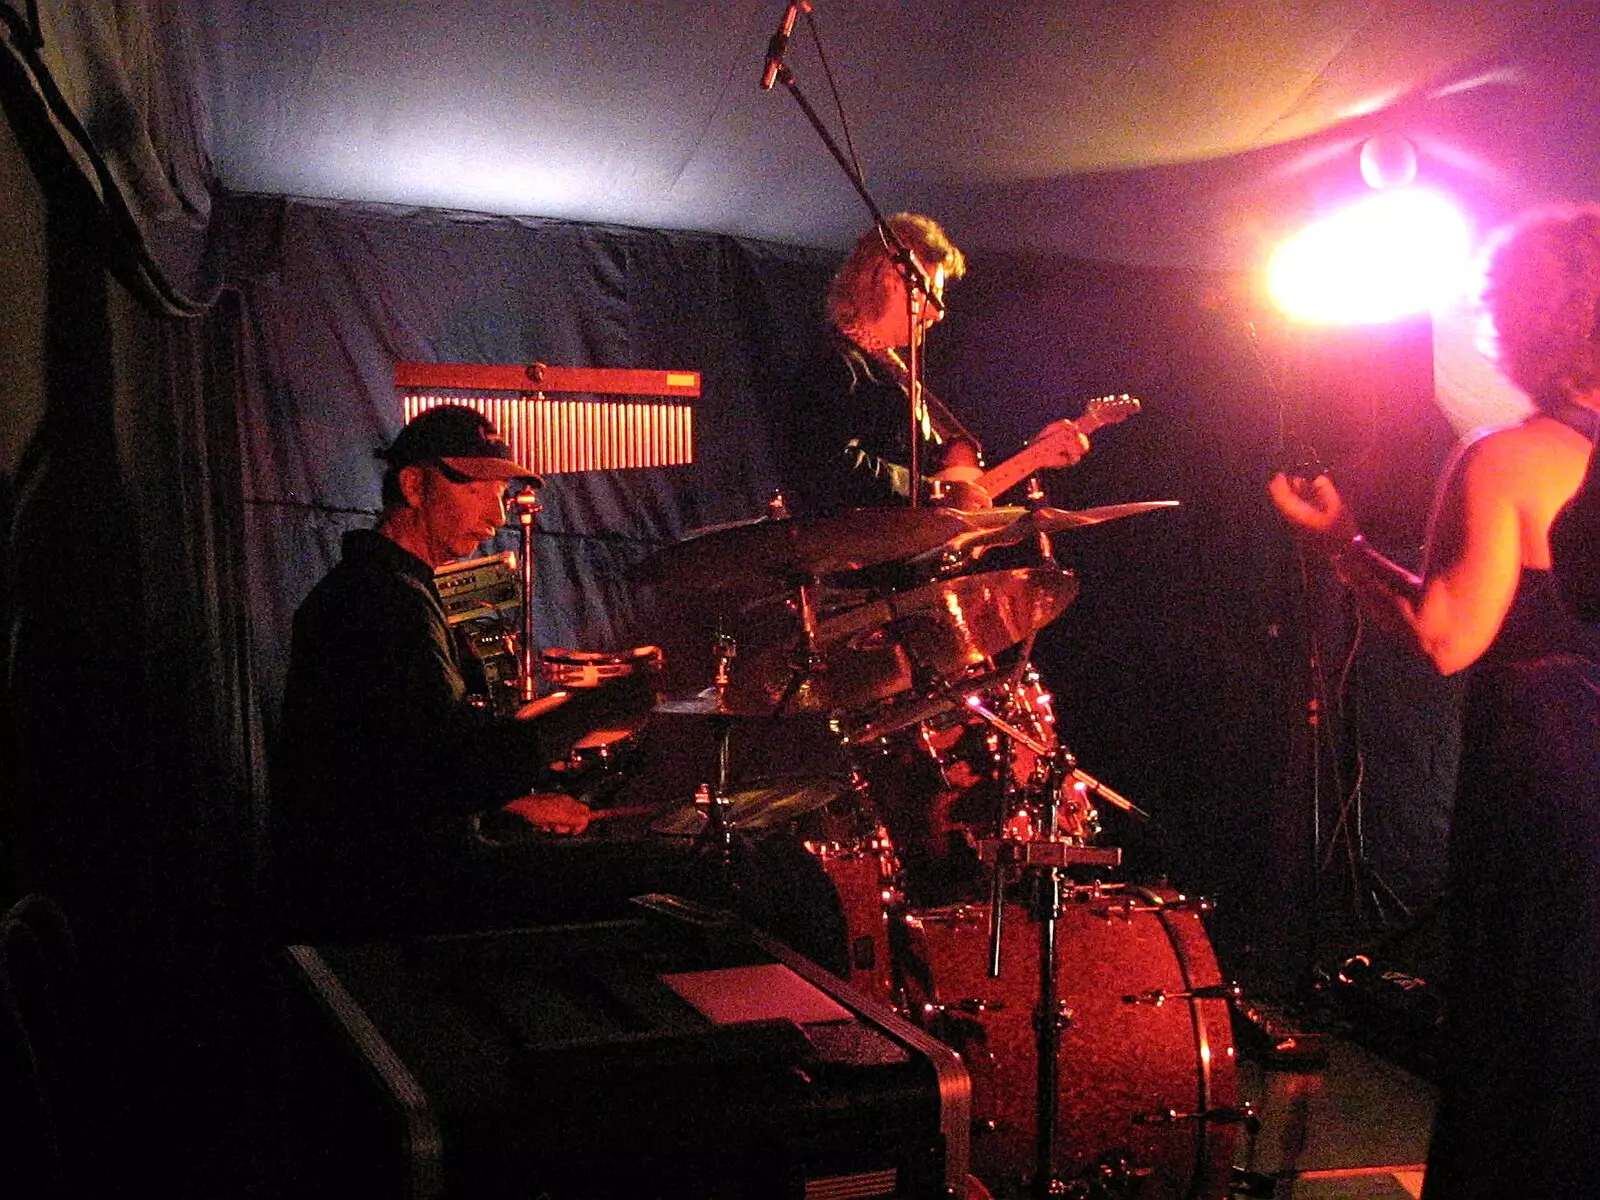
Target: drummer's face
896	314
458	517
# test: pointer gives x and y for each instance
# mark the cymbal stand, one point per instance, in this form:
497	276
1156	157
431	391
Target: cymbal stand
1037	499
713	798
1045	856
805	665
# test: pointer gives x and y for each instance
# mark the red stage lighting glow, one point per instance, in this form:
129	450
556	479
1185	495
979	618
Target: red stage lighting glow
1391	255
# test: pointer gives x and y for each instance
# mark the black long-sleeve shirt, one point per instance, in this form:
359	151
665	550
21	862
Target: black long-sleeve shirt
847	432
381	757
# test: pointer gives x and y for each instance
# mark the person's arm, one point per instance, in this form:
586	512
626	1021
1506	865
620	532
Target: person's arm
1451	614
1474	553
551	812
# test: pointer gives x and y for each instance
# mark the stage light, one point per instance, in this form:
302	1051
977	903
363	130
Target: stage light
1388	160
1391	255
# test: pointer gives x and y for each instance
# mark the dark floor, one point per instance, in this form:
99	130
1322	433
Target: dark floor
1356	1127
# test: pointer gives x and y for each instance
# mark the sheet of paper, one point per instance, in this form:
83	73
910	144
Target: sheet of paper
770	991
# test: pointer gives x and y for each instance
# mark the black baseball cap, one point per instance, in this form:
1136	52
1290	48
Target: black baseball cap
462	439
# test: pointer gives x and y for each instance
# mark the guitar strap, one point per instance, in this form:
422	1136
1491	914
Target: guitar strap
1577	417
942	420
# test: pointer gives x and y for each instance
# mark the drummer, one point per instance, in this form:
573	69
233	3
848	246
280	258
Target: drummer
847	415
382	759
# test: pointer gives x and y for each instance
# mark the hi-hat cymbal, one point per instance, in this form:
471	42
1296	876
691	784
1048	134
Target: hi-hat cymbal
707	703
769	806
785	552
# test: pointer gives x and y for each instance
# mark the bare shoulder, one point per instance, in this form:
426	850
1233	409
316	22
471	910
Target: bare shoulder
1536	456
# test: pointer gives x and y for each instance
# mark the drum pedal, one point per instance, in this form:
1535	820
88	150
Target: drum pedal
1276	1040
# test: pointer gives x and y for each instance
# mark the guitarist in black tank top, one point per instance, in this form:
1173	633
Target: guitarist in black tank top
1519	1110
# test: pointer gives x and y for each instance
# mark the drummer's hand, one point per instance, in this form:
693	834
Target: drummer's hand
551	812
1314	507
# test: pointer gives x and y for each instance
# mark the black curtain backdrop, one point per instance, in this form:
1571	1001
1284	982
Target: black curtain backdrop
334	297
132	751
1184	673
129	756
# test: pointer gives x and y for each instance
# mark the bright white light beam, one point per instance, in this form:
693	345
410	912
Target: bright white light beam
1391	255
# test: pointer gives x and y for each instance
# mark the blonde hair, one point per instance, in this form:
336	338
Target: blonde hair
1543	294
859	289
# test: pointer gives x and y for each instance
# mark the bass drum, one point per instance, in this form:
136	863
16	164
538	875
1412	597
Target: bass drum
1149	1103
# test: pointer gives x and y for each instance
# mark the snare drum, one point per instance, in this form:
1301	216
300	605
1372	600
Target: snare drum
1149	1097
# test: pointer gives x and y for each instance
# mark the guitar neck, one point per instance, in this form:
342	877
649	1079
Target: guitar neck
1025	462
1042	450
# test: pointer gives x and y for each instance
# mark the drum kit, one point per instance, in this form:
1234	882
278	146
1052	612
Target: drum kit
955	874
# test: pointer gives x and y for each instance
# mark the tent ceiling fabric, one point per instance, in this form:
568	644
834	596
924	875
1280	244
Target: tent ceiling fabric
647	113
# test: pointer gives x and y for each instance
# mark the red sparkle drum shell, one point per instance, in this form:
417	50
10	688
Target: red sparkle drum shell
812	866
1135	1076
863	877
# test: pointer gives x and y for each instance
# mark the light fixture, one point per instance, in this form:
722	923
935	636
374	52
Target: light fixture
1388	160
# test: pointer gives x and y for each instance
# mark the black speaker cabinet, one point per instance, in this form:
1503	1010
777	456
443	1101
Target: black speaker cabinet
673	1053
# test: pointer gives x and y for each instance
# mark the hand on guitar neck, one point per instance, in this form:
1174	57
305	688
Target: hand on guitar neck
1059	444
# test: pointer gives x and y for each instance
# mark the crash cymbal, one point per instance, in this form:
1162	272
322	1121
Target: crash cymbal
1054	520
781	553
1009	525
902	641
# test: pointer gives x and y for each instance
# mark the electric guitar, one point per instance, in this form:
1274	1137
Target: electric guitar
1047	447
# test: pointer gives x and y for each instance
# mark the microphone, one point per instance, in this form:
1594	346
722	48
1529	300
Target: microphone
780	43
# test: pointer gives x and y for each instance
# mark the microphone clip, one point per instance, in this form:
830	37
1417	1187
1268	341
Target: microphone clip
779	44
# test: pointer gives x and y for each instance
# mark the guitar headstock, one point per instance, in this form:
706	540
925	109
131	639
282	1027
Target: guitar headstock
1108	410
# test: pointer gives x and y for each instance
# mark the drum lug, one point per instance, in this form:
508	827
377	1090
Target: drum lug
1062	1020
1115	1168
1156	997
1241	1114
956	917
1199	904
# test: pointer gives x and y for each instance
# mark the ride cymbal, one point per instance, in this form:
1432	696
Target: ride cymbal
782	553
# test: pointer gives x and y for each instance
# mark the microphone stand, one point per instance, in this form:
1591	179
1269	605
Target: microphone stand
527	506
919	293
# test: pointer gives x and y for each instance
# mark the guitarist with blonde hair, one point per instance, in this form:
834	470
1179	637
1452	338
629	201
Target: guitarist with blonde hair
848	414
